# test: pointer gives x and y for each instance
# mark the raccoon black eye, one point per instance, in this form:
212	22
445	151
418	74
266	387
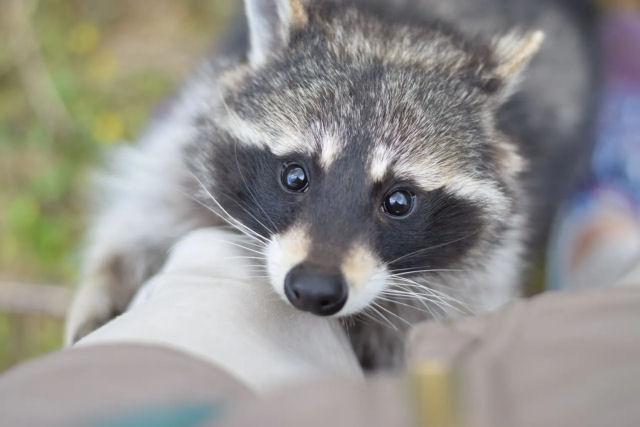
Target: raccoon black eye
398	203
294	178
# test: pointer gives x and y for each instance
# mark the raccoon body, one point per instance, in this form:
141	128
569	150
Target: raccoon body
376	155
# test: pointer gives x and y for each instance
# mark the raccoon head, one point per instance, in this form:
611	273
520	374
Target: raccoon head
359	152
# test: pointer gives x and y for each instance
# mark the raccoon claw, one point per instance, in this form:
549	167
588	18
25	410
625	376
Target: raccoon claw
77	332
90	309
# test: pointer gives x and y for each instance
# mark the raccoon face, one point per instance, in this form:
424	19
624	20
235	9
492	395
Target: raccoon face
358	153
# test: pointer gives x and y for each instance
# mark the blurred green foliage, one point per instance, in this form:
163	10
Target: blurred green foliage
76	78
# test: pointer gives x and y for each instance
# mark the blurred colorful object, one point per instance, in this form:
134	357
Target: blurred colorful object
597	235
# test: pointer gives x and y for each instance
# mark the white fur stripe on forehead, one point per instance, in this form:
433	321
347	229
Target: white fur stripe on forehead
285	140
330	148
432	175
379	163
462	186
478	190
281	142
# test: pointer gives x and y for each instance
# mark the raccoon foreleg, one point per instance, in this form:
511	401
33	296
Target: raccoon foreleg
144	211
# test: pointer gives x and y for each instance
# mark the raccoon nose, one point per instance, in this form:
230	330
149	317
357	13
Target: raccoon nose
316	290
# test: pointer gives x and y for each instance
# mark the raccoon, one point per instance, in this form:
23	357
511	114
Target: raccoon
382	159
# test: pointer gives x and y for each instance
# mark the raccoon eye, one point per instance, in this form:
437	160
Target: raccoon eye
398	203
294	178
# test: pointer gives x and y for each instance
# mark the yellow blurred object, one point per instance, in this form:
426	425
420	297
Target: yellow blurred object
102	66
108	127
84	38
434	394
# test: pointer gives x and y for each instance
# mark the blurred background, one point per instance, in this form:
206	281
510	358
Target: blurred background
76	77
80	76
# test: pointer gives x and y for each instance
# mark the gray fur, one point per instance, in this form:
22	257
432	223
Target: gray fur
347	83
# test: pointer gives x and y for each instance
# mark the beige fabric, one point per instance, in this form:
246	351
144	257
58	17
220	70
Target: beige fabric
382	402
556	360
68	387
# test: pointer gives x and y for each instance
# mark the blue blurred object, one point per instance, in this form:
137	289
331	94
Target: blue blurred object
596	235
168	415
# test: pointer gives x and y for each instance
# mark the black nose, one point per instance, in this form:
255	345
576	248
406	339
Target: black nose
317	290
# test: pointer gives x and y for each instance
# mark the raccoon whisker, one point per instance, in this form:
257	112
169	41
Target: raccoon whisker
244	227
442	300
432	292
382	316
395	301
391	313
241	246
264	274
436	299
239	225
226	227
416	270
251	241
261	258
275	228
246	210
346	328
407	255
254	240
254	217
252	245
349	321
235	222
411	295
257	267
431	288
256	243
371	317
430	248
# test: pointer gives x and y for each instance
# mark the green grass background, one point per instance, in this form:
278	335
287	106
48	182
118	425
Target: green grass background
77	77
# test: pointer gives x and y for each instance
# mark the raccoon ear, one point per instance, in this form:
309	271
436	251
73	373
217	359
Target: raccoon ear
513	52
270	23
